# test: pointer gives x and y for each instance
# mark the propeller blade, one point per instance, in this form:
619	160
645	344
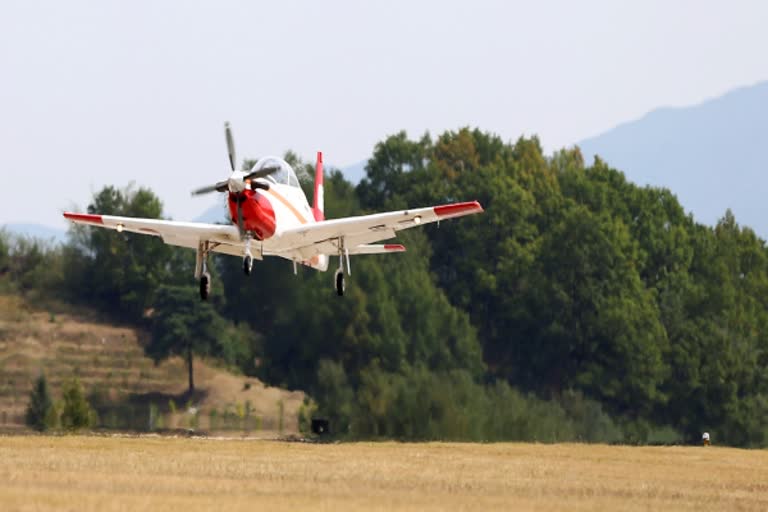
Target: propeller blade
261	173
230	145
218	187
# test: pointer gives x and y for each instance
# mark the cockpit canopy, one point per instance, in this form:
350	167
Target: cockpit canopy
284	175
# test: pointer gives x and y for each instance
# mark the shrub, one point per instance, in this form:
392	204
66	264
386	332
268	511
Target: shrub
306	412
41	415
280	416
154	416
213	420
591	423
76	412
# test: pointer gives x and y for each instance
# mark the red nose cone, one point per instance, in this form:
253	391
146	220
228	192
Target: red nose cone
258	214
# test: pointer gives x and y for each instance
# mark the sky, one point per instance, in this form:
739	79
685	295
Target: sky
96	93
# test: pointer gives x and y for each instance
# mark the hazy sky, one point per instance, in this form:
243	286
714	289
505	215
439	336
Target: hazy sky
100	92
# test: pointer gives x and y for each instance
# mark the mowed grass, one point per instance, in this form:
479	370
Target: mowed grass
108	474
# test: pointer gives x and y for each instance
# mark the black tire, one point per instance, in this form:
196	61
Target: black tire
247	265
205	286
340	284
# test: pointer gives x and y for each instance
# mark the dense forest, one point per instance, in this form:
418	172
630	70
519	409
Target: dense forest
579	306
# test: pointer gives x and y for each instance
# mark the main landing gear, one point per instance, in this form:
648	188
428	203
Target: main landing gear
201	270
205	286
338	278
338	281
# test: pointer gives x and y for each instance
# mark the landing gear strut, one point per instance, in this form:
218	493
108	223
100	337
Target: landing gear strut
247	259
247	264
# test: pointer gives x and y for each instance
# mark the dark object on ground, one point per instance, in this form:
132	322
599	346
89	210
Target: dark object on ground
320	426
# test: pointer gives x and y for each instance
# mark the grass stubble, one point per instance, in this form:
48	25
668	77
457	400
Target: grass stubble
117	473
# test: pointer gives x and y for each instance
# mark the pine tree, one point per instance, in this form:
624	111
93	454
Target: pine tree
40	409
76	412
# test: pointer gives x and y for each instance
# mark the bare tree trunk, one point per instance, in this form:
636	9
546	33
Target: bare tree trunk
190	369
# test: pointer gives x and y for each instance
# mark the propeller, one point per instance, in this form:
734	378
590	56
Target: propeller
261	173
218	187
238	181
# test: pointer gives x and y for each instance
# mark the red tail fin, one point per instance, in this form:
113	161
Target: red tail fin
318	205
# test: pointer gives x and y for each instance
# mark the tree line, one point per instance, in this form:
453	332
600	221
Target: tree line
578	306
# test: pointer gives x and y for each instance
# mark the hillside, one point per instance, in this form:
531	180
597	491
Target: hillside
711	155
110	363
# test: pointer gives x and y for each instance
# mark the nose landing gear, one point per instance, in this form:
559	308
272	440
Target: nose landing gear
247	259
247	264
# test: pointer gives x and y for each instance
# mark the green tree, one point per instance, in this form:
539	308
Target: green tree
31	264
4	250
183	325
40	410
76	412
5	268
595	326
119	272
335	396
717	336
391	170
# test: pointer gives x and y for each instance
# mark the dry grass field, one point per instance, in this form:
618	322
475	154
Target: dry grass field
110	474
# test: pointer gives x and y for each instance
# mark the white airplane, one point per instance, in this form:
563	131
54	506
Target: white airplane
271	217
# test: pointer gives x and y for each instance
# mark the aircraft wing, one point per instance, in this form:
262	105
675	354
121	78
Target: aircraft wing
305	241
183	234
323	237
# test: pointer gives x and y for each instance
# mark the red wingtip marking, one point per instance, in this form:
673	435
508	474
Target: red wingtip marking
458	209
394	247
84	217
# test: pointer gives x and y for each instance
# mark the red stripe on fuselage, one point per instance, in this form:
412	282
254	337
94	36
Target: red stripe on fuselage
84	217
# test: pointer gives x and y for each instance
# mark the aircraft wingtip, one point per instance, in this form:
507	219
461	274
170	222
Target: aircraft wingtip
458	209
84	217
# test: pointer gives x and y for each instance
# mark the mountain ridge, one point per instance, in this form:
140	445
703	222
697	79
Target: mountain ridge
710	154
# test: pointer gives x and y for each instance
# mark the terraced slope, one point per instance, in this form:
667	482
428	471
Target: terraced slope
109	361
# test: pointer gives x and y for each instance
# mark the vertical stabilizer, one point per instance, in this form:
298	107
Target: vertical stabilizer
318	205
